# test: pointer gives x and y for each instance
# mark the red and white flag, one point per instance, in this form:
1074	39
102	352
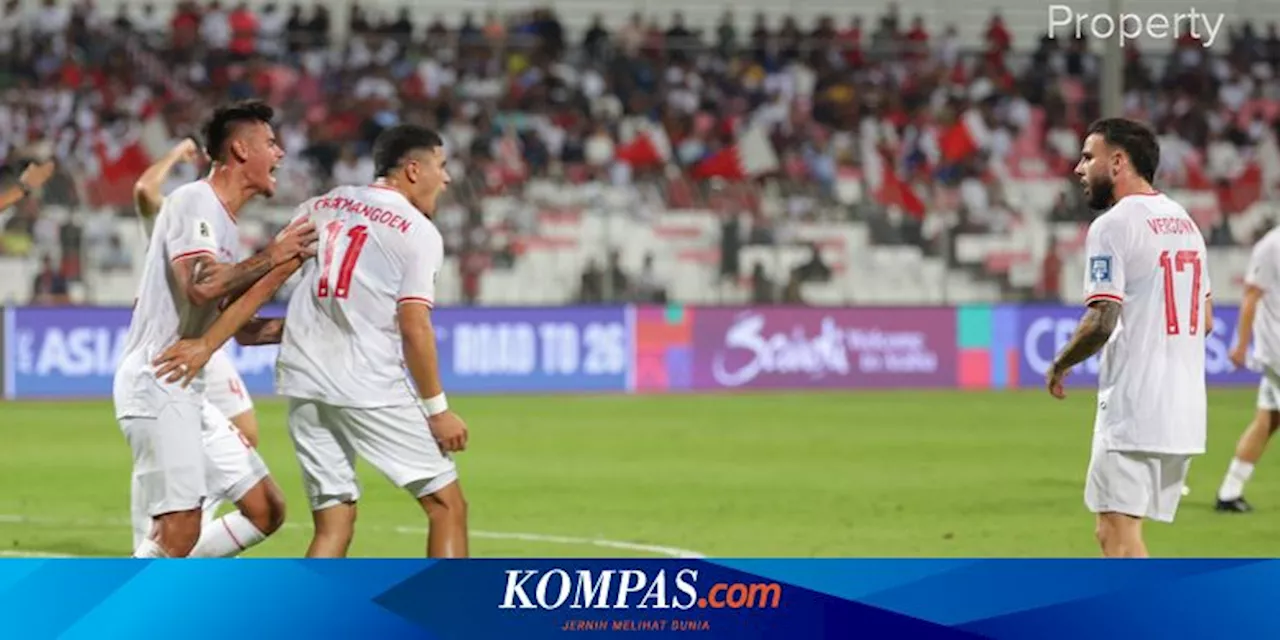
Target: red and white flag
752	155
649	147
964	137
883	180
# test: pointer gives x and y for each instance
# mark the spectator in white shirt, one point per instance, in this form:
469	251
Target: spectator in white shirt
215	28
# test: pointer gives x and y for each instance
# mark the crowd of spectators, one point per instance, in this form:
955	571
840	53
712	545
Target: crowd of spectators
518	96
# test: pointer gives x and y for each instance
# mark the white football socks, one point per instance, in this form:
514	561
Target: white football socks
1237	476
227	536
149	548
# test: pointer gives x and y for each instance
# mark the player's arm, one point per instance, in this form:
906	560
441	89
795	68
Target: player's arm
146	191
418	340
423	259
1093	332
260	331
203	280
1208	316
32	178
1104	282
183	360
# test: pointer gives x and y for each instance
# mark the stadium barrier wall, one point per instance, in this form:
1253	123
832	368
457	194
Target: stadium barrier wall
72	352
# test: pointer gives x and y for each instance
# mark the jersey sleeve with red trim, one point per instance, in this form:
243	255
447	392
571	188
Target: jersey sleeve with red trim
422	266
1104	261
189	223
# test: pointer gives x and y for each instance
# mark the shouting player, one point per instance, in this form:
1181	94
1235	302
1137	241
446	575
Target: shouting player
1147	291
224	389
1260	322
360	314
187	274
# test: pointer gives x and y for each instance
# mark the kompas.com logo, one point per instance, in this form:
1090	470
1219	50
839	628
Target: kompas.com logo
612	589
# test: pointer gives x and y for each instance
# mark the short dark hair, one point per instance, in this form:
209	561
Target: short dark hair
1135	138
222	124
393	144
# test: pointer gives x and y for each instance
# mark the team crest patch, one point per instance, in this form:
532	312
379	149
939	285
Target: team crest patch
1100	269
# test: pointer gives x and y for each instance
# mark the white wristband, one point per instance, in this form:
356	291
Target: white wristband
435	406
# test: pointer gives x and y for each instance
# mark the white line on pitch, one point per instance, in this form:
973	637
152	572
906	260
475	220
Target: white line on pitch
673	552
34	554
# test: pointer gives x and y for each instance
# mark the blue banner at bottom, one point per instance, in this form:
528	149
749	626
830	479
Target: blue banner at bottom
791	599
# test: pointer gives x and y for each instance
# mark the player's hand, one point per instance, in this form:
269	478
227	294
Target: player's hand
298	240
450	431
35	175
1053	382
182	361
188	151
1239	356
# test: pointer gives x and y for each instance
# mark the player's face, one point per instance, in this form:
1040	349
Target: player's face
261	154
431	178
1096	171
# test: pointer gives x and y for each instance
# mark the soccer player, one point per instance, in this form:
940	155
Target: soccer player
187	274
224	389
360	314
1147	291
1260	322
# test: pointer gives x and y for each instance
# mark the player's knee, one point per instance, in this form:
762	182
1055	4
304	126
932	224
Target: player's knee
178	533
274	514
446	505
264	507
1102	534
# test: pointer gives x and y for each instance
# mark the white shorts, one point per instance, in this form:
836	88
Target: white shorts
395	440
231	469
224	387
1143	485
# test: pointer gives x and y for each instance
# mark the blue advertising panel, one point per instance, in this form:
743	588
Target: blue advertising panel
72	352
1044	330
555	349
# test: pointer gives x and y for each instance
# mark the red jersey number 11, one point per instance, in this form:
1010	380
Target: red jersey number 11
1179	262
357	236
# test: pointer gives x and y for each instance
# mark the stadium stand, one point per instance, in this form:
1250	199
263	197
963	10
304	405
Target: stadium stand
809	153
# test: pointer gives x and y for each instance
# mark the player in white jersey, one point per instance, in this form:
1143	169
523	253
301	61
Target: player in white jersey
358	317
187	275
1259	323
1147	290
224	389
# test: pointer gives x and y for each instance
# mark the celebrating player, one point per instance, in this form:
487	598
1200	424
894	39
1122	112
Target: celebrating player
1259	321
360	314
186	276
1147	291
224	389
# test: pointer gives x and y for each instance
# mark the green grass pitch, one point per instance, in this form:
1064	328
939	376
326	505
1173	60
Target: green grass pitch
881	474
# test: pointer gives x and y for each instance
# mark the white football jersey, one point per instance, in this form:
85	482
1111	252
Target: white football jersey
1264	273
1147	254
192	222
341	342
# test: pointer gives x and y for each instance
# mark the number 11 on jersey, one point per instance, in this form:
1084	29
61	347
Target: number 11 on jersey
356	239
1179	262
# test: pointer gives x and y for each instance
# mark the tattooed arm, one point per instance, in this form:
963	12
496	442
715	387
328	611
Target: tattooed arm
203	280
1094	331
